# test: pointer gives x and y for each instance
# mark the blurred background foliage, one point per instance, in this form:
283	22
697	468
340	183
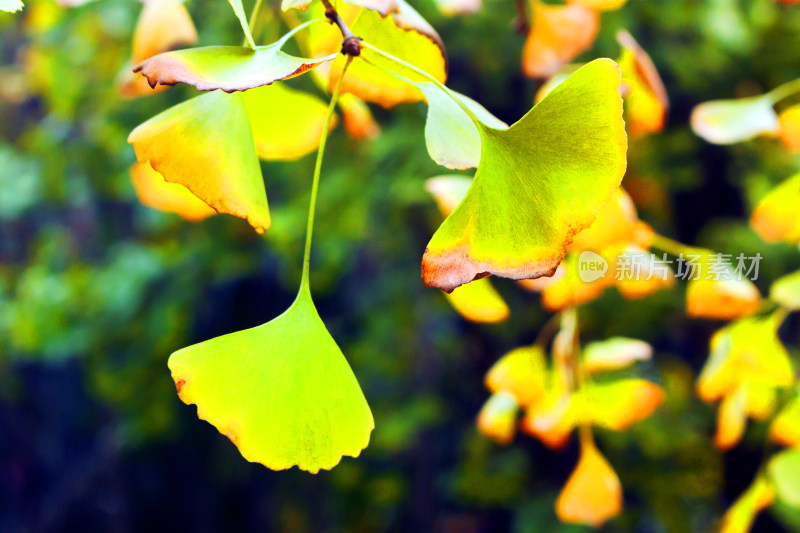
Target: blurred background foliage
96	290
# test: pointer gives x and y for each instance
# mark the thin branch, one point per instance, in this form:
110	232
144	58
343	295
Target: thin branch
351	45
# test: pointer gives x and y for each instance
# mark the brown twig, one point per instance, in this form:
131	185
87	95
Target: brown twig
351	45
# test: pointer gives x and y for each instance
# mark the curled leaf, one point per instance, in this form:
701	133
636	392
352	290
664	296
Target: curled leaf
229	68
479	302
498	417
282	392
539	182
154	191
184	144
593	493
776	217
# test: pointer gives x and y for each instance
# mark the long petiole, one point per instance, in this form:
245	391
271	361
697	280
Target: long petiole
304	284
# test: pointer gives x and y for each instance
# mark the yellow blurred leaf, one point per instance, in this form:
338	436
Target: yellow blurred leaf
593	493
498	417
153	191
558	34
522	372
479	302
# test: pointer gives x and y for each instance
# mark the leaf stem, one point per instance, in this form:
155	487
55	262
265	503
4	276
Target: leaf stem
304	283
351	45
784	91
254	15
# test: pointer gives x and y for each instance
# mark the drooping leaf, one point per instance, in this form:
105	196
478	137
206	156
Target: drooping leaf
521	372
783	469
405	35
539	182
646	100
615	353
593	493
206	144
785	429
229	68
789	122
238	9
558	34
498	417
618	404
733	121
287	123
786	291
282	392
11	5
479	302
740	516
153	191
776	217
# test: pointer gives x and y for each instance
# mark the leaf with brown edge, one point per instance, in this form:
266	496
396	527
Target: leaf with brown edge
229	68
206	144
405	35
559	33
154	191
646	101
539	183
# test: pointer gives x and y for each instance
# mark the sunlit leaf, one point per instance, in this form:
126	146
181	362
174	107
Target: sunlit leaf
646	101
10	5
163	25
786	291
732	419
521	372
785	429
384	7
551	420
498	417
776	217
458	7
789	121
206	144
618	404
405	35
783	472
614	353
601	5
568	289
558	34
539	182
616	223
733	121
718	291
448	191
153	191
229	68
282	392
238	9
638	273
479	302
286	123
740	516
358	120
593	493
555	80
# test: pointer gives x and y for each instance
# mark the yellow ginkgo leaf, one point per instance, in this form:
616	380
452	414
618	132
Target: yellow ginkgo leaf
601	5
740	516
521	372
718	291
639	273
732	419
498	417
776	217
615	224
154	191
618	404
785	429
358	120
479	302
789	121
593	493
163	25
646	101
552	419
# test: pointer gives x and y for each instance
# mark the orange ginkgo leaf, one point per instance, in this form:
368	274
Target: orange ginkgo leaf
740	516
616	223
498	417
640	273
551	420
789	121
559	33
458	7
358	120
732	419
785	429
646	100
479	302
522	373
776	217
593	493
718	291
618	404
154	191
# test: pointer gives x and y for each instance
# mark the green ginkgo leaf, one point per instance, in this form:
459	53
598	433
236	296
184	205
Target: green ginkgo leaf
539	183
230	68
733	121
282	392
783	472
786	291
206	144
10	5
239	10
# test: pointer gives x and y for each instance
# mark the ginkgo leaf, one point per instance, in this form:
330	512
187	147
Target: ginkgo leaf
615	224
776	217
718	291
618	404
786	291
551	420
789	122
479	302
287	124
740	516
498	417
238	9
785	429
154	191
559	33
11	5
733	121
593	493
206	144
555	80
521	372
569	290
615	353
783	469
229	68
405	35
732	419
163	25
358	120
646	100
539	183
282	392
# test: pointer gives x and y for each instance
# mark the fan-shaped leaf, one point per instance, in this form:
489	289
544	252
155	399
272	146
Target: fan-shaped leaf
521	372
498	417
593	493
